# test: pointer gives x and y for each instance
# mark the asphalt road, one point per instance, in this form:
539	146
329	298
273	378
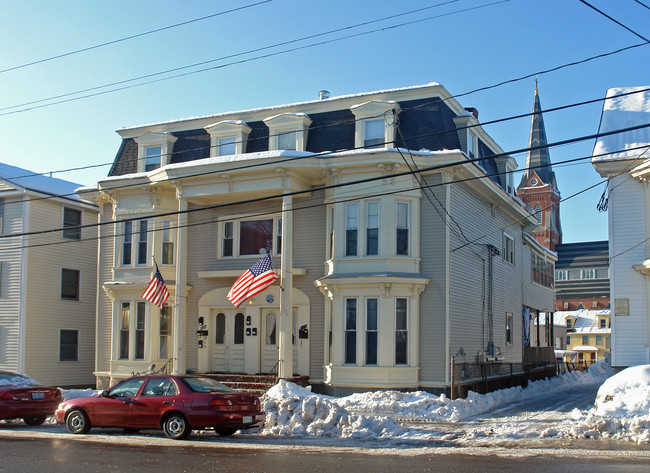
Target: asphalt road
53	455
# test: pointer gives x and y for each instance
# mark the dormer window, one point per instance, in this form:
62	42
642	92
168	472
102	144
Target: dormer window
154	150
228	137
288	131
375	123
471	145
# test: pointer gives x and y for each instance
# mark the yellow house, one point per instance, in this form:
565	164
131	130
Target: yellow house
588	334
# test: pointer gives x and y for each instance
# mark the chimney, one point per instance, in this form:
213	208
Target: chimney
324	94
473	111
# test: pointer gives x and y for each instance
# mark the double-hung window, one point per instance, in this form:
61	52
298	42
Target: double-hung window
372	228
165	332
71	223
127	242
143	241
68	345
508	249
402	231
70	284
167	242
152	157
374	133
371	330
141	235
140	309
125	328
401	331
351	228
350	356
226	146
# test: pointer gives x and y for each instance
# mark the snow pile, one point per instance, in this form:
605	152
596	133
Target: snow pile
622	409
295	411
18	381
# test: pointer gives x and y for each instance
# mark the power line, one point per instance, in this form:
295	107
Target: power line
614	20
138	35
244	53
346	121
642	4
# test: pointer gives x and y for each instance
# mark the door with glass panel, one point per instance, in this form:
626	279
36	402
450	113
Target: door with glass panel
228	353
269	341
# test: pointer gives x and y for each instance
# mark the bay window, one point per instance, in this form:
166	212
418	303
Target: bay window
351	228
167	242
372	228
371	330
141	247
401	331
402	230
350	331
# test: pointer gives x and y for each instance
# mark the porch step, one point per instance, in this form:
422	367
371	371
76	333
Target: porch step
256	384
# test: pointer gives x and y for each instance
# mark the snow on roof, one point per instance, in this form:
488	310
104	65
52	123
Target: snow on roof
29	180
277	107
585	348
623	112
586	320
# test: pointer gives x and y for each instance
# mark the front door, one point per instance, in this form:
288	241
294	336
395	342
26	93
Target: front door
228	353
269	342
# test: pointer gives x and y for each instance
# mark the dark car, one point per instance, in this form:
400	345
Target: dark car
175	404
24	398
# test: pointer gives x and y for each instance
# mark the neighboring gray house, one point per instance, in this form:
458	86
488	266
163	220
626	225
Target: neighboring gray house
48	282
386	273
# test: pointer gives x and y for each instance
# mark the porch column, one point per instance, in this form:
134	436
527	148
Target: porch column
285	347
181	282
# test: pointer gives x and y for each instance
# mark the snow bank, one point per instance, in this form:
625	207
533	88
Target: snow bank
19	382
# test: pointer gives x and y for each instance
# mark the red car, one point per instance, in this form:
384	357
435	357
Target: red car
22	397
175	404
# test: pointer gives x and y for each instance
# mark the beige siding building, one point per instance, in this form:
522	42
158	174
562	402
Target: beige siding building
48	279
389	215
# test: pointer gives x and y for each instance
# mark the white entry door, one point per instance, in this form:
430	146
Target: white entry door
269	342
228	354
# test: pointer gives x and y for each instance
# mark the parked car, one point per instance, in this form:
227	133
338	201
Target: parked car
23	398
175	404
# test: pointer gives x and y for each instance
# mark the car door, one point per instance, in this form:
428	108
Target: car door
115	408
157	396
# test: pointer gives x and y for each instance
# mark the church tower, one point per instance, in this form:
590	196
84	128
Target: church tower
538	187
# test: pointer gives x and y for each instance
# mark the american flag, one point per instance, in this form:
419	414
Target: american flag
254	280
156	292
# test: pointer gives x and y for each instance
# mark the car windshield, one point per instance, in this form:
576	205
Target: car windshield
203	384
12	379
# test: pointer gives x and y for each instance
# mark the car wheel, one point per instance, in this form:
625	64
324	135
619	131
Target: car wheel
34	420
176	426
77	422
225	431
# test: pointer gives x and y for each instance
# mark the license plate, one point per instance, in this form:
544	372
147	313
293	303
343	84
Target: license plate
38	395
247	419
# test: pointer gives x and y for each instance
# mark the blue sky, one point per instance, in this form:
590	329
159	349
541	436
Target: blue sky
472	44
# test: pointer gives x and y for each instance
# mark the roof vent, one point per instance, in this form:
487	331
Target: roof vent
324	94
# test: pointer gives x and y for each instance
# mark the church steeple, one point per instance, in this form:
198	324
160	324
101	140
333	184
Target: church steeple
538	159
538	187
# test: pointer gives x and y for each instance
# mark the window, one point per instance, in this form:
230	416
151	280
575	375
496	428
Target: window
331	234
165	332
538	213
568	323
402	223
350	331
220	329
2	214
139	330
71	223
373	133
599	339
152	157
226	146
125	323
159	387
70	284
287	140
509	328
167	242
585	339
508	249
470	144
239	329
127	238
351	228
603	323
568	340
371	331
270	329
68	345
251	237
588	273
542	271
372	228
401	331
562	275
127	388
143	237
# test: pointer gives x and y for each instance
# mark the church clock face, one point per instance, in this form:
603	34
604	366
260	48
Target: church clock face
533	181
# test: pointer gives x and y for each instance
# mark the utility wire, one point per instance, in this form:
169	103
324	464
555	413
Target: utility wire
614	20
244	53
347	121
642	4
139	35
